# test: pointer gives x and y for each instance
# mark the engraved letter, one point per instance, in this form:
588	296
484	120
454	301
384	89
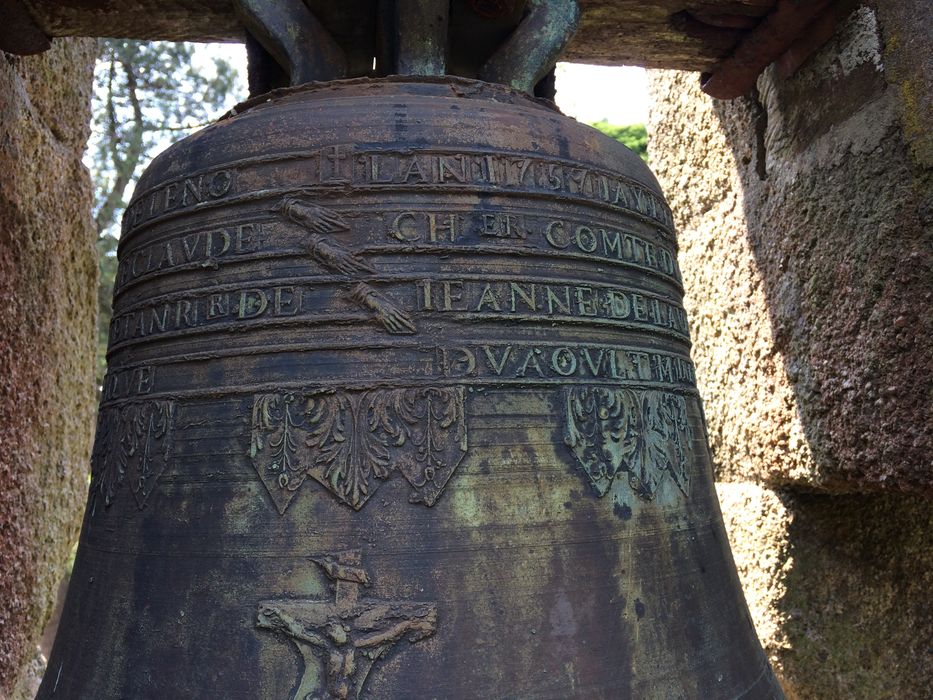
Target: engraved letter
157	321
144	379
650	256
611	243
285	301
641	364
463	364
193	188
444	167
530	361
403	228
564	361
374	170
244	239
586	304
586	239
167	259
618	303
563	307
511	231
184	312
424	299
414	170
640	307
528	297
448	231
220	183
664	370
488	297
490	225
211	242
453	291
252	303
190	249
219	305
497	366
171	196
604	357
556	235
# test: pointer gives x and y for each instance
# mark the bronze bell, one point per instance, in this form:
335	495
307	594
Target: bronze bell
400	405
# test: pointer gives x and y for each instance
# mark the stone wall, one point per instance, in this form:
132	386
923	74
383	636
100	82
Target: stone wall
48	278
804	218
838	587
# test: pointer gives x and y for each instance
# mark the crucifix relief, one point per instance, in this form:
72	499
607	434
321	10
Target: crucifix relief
348	635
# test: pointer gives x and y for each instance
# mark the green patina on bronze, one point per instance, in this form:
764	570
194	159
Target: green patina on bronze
324	385
400	405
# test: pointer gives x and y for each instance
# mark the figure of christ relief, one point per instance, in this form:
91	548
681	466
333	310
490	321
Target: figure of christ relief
345	637
320	223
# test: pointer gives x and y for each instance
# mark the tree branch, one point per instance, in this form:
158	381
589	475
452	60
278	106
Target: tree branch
123	167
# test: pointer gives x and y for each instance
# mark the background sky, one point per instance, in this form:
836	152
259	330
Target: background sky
590	94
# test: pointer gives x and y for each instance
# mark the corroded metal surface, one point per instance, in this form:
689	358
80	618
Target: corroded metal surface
533	48
421	28
413	38
400	405
295	38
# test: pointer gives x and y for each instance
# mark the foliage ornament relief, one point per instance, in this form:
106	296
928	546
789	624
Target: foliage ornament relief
641	433
133	445
350	441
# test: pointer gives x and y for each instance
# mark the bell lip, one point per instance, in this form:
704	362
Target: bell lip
472	88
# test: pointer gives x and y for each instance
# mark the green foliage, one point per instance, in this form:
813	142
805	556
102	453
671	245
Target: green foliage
146	94
635	136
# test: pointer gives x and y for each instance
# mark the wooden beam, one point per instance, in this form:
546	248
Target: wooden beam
19	32
612	32
736	75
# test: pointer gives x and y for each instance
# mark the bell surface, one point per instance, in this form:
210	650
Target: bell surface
400	405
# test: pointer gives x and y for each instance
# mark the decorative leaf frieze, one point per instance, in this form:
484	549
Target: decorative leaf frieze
132	445
641	433
350	441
